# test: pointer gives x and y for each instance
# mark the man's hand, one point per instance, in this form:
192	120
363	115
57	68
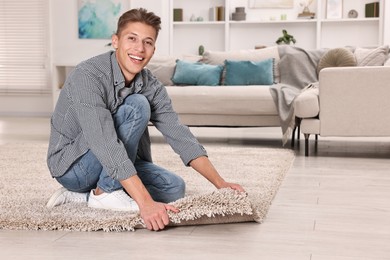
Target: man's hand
204	166
233	186
155	215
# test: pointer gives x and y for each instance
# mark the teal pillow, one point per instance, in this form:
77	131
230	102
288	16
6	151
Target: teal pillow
249	72
190	73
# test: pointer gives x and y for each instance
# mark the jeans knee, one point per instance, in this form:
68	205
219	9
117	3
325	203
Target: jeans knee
179	190
136	107
181	187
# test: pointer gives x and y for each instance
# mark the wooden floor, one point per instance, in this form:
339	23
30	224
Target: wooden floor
333	205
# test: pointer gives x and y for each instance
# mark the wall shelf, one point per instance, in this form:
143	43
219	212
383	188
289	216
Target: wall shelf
320	32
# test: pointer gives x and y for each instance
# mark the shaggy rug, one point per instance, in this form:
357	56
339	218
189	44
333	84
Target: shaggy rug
26	186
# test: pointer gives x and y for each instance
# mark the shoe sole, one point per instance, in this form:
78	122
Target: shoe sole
90	205
51	203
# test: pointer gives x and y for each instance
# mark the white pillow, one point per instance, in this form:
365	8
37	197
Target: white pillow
371	57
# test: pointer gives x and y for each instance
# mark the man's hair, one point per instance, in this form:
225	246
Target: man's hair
140	15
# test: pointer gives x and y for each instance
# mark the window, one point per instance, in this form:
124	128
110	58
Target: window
24	60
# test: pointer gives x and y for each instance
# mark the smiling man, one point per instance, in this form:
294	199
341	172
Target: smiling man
99	148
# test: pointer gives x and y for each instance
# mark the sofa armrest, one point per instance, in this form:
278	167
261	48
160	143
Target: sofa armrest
354	101
306	104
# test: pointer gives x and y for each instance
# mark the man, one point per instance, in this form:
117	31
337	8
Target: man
99	147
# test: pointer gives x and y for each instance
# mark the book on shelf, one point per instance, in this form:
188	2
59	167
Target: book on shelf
177	15
372	9
217	13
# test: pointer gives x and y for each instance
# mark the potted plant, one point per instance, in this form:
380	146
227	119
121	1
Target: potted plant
285	38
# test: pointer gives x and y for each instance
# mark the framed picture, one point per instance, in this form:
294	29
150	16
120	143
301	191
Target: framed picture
271	4
334	9
97	19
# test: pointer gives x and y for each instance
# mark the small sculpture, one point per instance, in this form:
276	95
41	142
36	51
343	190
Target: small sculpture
306	11
305	4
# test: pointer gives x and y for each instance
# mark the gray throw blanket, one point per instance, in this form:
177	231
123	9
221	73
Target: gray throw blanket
298	69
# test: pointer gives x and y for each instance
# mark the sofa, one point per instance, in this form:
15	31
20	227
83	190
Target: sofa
223	101
219	105
348	101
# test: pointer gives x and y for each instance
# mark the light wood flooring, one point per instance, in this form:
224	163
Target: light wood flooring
333	205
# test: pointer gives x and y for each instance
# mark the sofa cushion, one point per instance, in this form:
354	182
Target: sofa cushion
163	67
219	57
337	57
306	104
249	72
372	57
223	100
189	73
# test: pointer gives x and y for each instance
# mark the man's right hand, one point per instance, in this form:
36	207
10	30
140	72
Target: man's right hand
155	215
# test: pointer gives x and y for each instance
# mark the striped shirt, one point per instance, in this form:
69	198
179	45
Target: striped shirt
82	119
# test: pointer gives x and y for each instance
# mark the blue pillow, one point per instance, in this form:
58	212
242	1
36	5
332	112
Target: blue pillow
249	72
190	73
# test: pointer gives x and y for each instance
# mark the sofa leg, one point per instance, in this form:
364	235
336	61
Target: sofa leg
299	132
307	144
293	137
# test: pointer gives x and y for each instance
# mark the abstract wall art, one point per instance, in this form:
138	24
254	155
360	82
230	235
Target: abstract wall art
97	19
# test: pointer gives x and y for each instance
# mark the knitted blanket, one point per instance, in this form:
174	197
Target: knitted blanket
298	68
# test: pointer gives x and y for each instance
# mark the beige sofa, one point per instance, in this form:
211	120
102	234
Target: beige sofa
347	102
237	106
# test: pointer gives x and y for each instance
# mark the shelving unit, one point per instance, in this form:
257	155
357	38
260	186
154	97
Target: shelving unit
260	29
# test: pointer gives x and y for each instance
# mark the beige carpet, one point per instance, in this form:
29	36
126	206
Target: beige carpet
26	185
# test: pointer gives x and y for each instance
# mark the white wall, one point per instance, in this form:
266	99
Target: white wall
68	49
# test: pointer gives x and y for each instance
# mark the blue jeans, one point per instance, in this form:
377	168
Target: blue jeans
130	121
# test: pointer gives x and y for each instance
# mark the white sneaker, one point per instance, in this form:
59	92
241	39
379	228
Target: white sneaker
62	196
116	200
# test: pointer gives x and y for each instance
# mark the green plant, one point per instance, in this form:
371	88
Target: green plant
286	38
201	50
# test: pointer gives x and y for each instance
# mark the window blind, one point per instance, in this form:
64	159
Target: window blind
24	46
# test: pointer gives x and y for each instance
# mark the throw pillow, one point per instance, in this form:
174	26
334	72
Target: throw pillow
219	57
163	67
372	57
189	73
249	72
338	57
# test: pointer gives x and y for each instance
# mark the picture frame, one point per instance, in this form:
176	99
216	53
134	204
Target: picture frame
283	4
334	9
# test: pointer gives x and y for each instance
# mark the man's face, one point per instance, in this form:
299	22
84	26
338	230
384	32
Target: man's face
135	47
